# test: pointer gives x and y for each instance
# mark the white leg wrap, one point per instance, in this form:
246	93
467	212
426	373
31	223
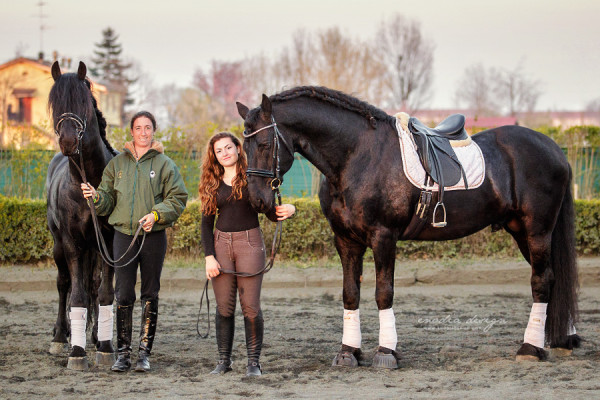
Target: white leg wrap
78	316
535	332
388	337
105	323
572	330
351	335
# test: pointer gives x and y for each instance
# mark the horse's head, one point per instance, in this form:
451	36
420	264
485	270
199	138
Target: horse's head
72	107
270	153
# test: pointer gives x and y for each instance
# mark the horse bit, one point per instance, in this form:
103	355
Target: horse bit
80	127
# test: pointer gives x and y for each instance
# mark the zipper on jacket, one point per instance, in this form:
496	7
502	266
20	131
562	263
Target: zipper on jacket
133	196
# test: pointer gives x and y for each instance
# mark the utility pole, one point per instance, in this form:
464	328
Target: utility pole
43	27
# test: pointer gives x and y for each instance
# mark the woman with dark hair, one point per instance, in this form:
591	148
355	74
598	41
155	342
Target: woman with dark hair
139	186
235	244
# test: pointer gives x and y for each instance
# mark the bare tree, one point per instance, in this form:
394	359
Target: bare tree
593	106
296	64
475	89
408	60
222	85
515	91
328	58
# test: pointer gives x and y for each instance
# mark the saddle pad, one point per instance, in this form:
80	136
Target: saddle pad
470	157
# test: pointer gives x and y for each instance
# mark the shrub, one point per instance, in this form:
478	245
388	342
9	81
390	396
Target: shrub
306	237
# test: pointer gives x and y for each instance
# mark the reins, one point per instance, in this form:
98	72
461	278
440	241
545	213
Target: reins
275	184
102	248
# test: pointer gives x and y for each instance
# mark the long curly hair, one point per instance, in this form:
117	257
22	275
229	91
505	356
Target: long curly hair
212	174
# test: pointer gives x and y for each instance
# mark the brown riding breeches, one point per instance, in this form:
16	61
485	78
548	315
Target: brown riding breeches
241	252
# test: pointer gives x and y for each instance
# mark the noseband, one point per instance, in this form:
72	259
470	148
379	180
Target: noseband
80	126
274	173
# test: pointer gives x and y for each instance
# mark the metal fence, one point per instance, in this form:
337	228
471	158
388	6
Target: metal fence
23	174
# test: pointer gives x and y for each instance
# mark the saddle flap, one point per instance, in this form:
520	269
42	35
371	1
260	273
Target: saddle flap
438	158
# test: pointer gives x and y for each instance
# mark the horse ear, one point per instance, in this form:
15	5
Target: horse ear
242	109
56	71
266	106
81	71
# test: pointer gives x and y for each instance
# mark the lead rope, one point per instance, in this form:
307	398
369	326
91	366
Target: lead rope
274	249
102	248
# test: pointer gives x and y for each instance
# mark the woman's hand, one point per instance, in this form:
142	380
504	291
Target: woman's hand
147	222
212	267
88	191
284	211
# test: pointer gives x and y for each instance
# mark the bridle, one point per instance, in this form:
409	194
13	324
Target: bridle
274	173
276	179
80	127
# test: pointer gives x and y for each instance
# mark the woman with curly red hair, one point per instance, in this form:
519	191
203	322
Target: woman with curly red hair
235	243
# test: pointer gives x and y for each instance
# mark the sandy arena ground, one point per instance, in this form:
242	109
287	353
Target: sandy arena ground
459	325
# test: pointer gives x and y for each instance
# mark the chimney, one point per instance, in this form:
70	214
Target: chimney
41	56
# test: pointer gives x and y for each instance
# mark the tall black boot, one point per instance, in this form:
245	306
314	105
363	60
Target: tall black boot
147	333
224	327
254	338
124	321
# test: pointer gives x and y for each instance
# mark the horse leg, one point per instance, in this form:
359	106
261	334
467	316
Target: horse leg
63	284
351	254
384	254
542	279
105	353
78	317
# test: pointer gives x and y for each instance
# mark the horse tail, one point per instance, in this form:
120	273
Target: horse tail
91	268
562	309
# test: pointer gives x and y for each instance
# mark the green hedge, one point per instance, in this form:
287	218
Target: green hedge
24	236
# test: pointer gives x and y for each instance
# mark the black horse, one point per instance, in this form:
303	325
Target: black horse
81	130
369	202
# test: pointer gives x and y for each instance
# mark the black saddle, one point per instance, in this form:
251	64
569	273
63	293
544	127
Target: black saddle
438	157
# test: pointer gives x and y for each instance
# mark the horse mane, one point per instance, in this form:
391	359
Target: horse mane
102	127
69	95
337	98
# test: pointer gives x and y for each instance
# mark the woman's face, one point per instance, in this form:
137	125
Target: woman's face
226	152
142	132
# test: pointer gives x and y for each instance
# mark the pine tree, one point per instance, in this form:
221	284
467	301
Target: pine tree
109	67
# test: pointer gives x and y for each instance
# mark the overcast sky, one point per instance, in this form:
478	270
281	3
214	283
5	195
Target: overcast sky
557	41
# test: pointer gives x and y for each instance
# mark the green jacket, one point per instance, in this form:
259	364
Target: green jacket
131	189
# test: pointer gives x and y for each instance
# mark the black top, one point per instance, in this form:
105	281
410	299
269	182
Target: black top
234	216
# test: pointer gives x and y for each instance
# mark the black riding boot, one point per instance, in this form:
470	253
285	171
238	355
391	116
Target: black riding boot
124	320
254	338
147	332
224	327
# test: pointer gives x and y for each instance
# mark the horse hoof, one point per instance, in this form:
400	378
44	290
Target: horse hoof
386	358
105	358
78	364
526	358
529	352
561	352
57	348
345	358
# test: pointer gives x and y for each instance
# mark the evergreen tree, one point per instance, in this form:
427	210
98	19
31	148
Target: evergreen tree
109	67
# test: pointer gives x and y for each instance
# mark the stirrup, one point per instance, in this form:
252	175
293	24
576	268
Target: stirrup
442	223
